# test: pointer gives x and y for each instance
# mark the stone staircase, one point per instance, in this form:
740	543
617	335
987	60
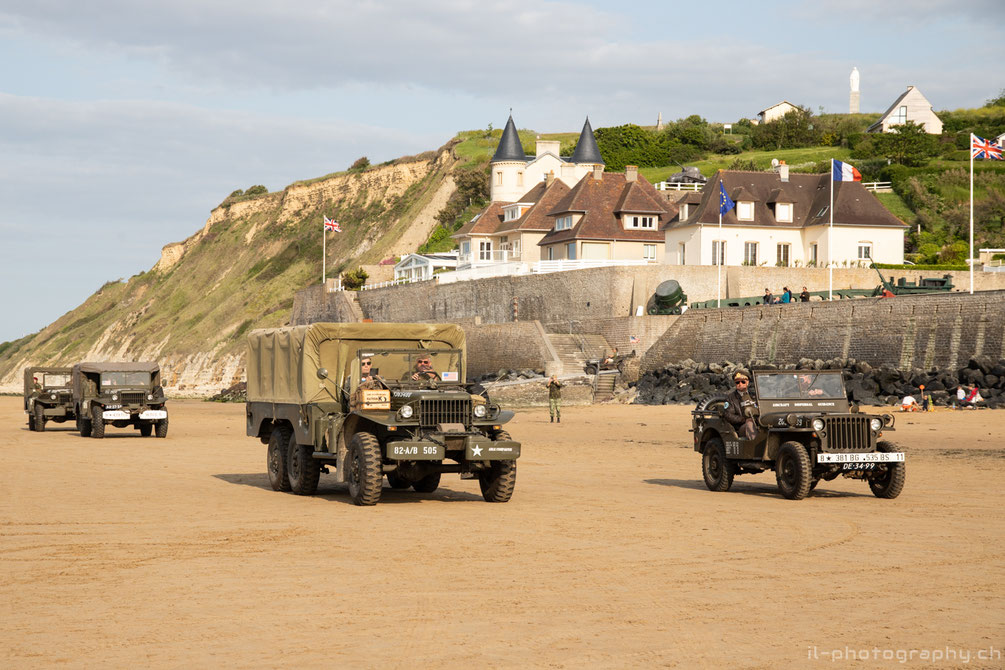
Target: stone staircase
574	350
603	385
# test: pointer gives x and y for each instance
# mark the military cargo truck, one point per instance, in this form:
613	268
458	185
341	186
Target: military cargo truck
47	396
367	400
121	395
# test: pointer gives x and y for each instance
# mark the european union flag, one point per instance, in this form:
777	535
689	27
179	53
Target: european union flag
725	204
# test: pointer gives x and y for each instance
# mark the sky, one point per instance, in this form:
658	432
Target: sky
123	123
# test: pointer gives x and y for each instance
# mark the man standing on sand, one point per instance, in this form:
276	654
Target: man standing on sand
555	399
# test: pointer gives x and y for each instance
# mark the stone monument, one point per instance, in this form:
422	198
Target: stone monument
853	100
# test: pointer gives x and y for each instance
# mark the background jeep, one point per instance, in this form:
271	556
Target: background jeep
120	394
806	432
47	396
313	402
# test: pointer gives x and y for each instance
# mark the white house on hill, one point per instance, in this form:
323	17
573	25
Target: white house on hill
781	219
775	112
910	106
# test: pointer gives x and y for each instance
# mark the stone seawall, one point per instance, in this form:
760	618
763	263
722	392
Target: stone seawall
925	331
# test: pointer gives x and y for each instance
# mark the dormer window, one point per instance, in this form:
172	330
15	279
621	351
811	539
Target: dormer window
641	222
513	212
745	211
683	211
563	222
783	212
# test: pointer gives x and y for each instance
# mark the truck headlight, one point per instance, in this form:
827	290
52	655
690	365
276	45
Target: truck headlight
818	425
150	396
115	396
876	425
480	411
405	412
52	396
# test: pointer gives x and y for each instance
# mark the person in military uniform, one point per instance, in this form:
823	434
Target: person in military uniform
741	408
423	370
555	399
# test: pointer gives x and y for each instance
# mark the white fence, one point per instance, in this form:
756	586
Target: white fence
878	185
678	186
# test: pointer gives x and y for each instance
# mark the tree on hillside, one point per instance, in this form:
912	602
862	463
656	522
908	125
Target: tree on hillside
907	144
360	163
998	101
794	130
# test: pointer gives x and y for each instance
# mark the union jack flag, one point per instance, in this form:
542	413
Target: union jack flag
633	340
331	225
982	148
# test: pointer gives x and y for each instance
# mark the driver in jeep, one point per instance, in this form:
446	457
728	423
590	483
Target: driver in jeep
741	408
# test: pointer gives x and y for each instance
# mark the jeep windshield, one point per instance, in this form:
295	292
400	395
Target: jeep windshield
812	385
405	367
52	380
132	379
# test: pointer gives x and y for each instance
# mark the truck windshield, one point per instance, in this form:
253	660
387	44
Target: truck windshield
109	379
439	365
809	385
53	380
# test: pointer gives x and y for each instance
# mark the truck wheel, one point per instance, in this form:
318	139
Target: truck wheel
83	425
39	418
717	470
428	484
97	423
162	427
275	459
792	471
365	471
890	483
397	482
146	429
301	468
591	369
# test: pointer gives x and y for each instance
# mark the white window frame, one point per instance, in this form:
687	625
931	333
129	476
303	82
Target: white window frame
465	248
814	253
867	247
718	252
750	253
783	249
649	252
563	222
551	253
519	178
899	117
642	222
683	212
783	212
499	177
744	211
485	250
570	251
682	253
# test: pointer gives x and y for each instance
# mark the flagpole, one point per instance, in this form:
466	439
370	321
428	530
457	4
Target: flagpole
718	263
830	239
324	254
970	259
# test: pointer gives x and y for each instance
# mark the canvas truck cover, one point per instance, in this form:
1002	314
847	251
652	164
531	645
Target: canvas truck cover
96	368
29	375
283	362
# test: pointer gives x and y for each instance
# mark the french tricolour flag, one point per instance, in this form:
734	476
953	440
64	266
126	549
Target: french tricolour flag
845	172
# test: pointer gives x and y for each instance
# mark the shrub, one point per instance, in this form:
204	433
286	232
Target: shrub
236	193
353	279
257	189
360	163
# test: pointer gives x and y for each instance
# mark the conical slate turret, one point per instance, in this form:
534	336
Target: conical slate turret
587	150
510	148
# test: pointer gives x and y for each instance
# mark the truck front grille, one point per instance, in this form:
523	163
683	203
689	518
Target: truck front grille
432	412
848	433
133	398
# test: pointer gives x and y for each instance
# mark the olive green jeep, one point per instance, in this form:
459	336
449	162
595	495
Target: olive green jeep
47	396
120	395
806	431
363	401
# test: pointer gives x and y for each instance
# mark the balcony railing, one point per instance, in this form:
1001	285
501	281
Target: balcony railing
493	256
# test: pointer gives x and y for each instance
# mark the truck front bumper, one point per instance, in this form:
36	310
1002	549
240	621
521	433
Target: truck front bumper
475	447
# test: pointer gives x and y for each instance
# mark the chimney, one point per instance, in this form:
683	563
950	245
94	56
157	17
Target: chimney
631	173
549	179
548	146
783	171
598	172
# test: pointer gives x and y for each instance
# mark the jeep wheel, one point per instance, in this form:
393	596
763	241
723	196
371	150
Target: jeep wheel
591	369
497	483
31	421
890	482
428	484
146	429
276	458
162	427
301	468
365	470
396	481
717	470
792	471
83	425
39	417
97	423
